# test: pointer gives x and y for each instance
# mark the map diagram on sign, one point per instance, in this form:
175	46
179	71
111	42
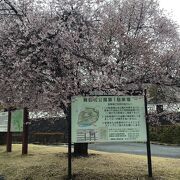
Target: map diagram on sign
87	117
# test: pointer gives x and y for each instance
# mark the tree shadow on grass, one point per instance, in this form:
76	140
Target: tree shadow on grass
65	155
84	156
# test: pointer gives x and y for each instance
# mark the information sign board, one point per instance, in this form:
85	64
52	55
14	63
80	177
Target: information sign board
3	121
17	121
108	118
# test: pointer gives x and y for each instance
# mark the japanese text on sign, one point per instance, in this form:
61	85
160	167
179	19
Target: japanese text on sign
108	118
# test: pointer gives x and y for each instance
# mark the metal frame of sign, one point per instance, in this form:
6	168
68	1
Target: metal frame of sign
147	142
148	145
108	119
9	134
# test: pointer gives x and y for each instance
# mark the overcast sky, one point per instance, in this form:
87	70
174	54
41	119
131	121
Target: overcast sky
172	6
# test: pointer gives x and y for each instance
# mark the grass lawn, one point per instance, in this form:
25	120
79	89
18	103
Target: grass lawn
50	163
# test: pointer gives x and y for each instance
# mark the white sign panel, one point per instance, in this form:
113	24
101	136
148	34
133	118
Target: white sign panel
3	121
108	118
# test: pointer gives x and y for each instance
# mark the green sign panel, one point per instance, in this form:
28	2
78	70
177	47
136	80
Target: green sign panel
3	121
17	121
108	118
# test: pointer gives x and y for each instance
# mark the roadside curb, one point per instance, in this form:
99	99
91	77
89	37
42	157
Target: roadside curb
164	144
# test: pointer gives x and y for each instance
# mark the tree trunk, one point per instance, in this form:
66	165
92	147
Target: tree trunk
162	118
159	108
81	149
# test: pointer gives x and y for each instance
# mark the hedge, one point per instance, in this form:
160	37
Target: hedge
165	134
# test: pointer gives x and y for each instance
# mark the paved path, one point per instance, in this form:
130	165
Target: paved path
137	148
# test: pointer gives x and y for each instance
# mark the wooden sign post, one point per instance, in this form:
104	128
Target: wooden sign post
25	132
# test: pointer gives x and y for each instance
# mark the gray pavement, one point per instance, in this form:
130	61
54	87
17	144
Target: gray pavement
137	148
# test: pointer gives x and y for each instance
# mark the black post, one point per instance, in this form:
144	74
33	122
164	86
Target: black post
25	132
9	134
148	138
69	144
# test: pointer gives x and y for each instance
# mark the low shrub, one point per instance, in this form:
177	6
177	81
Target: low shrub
165	134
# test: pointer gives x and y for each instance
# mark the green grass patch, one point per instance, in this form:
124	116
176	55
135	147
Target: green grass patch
50	163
